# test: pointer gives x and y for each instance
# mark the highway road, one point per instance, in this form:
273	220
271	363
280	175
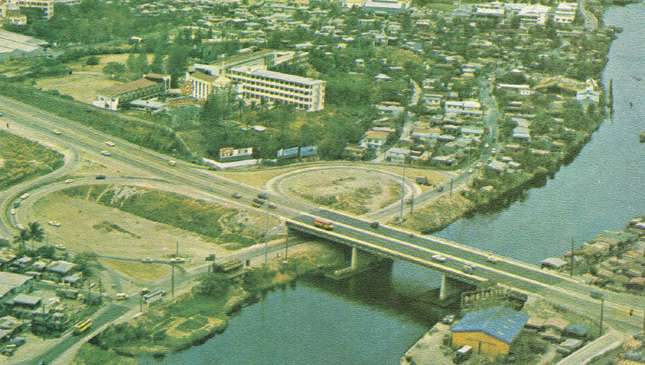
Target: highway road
78	140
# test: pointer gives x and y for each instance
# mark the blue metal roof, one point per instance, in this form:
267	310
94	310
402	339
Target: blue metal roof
499	322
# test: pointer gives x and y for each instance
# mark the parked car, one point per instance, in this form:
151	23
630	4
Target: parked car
69	181
448	319
57	132
468	269
110	144
100	177
237	195
375	224
106	153
492	259
172	162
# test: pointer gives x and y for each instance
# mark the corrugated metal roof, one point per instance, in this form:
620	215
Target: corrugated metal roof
499	322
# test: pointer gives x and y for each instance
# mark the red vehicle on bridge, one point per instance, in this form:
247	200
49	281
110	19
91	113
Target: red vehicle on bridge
320	223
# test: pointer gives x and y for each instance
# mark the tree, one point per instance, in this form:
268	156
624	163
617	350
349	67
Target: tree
213	284
22	238
177	63
36	232
92	61
115	69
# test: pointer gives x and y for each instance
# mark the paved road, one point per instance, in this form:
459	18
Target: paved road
86	141
610	341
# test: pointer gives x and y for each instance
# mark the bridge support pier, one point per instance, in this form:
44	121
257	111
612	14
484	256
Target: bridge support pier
354	259
450	287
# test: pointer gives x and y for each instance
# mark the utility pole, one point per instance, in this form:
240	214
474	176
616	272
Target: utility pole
600	295
172	276
572	258
402	193
411	202
286	246
452	180
266	233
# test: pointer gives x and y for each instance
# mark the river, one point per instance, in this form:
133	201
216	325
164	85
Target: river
367	320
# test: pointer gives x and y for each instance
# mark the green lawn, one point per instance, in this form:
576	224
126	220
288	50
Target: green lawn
21	159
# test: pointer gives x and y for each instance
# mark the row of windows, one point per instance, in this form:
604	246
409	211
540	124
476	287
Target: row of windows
276	93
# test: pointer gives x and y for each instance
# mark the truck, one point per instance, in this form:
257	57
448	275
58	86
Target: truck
321	223
82	326
463	354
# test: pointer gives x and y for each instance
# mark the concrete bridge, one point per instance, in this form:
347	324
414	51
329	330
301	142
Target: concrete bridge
487	270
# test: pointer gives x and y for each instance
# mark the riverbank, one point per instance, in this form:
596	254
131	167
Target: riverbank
205	310
612	260
558	125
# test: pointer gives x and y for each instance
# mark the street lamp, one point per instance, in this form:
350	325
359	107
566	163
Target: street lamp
595	294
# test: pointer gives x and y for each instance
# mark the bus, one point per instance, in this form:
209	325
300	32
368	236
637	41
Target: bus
82	326
320	223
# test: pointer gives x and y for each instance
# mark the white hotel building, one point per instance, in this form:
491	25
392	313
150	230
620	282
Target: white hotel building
279	88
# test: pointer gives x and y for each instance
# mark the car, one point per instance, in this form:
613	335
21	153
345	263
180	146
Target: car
492	259
263	195
375	224
172	162
237	195
69	181
439	258
57	132
177	260
16	204
106	153
467	269
272	206
147	260
493	151
448	319
470	171
24	196
110	144
121	296
54	223
12	211
101	177
20	227
61	247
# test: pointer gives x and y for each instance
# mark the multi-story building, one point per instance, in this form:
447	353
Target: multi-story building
46	6
531	15
278	88
565	13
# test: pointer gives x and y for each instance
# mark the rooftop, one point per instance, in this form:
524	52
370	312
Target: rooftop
127	87
499	322
277	75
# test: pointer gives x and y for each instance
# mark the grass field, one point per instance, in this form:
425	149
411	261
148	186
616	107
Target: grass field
439	213
138	271
94	355
21	159
230	228
81	86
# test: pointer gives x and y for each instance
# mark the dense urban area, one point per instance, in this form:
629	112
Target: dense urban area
168	166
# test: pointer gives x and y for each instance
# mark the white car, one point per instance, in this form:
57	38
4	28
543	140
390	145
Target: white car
172	162
147	260
12	211
439	258
69	181
110	143
57	132
24	196
60	247
54	223
106	153
492	259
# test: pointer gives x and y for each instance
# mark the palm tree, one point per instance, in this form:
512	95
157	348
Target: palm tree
21	238
36	232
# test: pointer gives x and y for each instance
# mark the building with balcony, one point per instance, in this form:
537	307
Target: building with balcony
278	88
565	13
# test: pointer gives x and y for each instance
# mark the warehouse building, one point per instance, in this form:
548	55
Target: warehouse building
489	331
114	97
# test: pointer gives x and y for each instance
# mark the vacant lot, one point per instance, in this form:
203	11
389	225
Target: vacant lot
228	227
81	86
21	159
140	272
439	213
356	191
88	226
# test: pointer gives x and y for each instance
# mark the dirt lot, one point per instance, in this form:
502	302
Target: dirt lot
357	191
89	226
140	272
